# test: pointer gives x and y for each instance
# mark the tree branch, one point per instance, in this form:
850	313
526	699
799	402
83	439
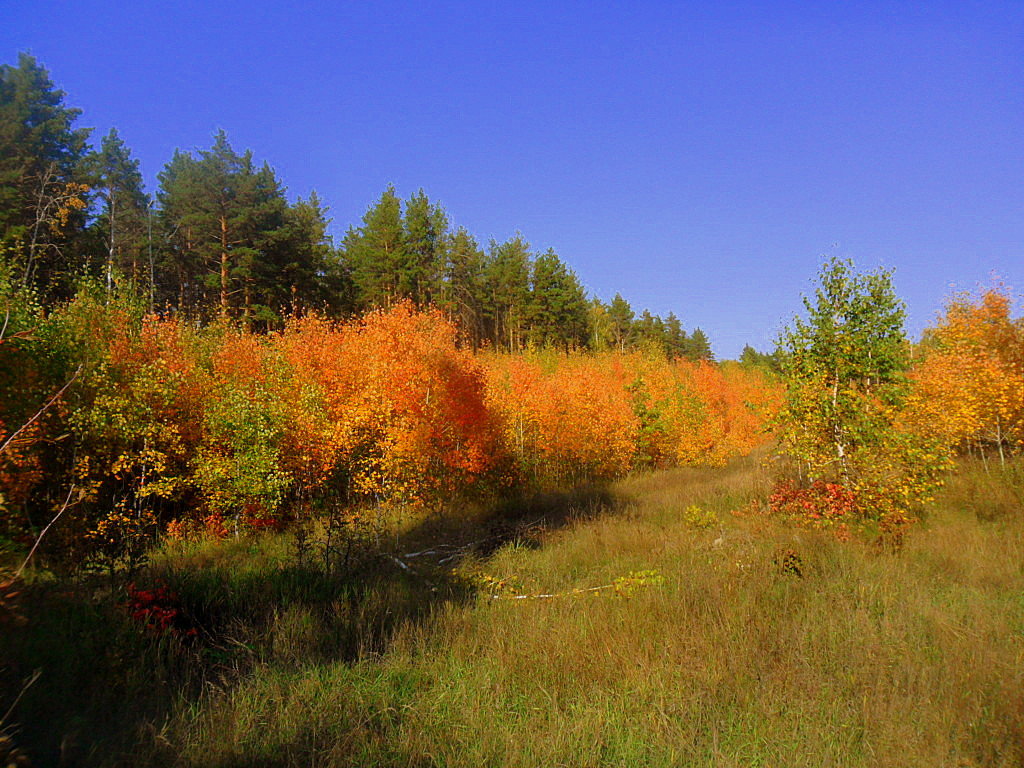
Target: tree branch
39	538
40	412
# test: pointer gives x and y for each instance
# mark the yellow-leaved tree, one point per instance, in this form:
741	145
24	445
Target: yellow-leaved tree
969	384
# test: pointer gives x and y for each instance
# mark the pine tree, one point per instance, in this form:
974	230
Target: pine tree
301	269
43	198
464	286
123	221
621	316
507	289
376	252
179	273
649	331
698	347
674	337
223	217
557	309
425	230
751	358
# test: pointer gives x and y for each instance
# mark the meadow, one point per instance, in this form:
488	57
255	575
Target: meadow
726	638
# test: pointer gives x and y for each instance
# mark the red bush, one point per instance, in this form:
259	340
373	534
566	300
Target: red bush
159	609
820	505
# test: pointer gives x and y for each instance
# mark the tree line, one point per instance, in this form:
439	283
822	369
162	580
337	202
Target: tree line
220	238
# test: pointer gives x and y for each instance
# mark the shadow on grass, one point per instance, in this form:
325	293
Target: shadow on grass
107	684
519	519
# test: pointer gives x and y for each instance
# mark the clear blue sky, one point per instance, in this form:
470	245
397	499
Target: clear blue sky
697	157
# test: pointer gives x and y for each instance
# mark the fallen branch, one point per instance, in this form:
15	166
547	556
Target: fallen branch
440	549
412	571
623	586
400	564
579	591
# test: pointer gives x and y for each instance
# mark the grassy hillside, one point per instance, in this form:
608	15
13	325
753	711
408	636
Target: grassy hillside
752	644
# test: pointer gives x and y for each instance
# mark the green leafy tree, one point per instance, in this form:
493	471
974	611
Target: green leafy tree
848	351
844	362
600	324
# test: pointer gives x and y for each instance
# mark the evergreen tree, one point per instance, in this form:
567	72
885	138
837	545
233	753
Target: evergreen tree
506	290
179	272
425	230
557	310
751	358
698	347
123	220
43	198
224	217
649	331
675	340
376	252
621	316
302	269
464	286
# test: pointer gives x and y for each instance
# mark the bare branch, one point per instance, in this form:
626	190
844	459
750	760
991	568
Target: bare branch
40	412
39	538
28	684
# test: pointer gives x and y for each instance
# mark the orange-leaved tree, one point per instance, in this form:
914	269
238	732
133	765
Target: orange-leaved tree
404	414
567	417
969	384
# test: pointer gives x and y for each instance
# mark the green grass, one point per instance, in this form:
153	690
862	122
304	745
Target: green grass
867	658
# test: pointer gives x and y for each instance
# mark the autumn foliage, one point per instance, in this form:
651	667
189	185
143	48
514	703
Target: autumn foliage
876	457
568	417
172	428
210	431
969	384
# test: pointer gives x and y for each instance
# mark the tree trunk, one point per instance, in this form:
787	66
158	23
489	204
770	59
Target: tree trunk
224	276
40	214
246	313
110	251
837	428
999	439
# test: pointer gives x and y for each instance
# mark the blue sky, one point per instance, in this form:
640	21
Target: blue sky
696	157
